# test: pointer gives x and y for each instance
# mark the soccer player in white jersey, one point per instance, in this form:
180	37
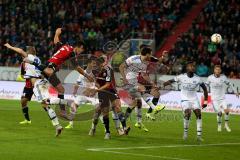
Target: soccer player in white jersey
130	70
83	96
189	83
30	74
35	85
217	83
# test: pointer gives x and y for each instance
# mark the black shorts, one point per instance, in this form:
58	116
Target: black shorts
53	66
107	97
148	88
27	93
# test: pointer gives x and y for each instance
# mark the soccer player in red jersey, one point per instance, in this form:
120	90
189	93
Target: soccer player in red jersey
63	53
108	98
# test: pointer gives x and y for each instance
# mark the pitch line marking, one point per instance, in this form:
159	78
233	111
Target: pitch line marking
145	155
166	146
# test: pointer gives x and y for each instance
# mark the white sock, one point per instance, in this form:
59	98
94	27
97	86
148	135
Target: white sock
199	127
71	123
219	120
226	117
148	100
52	115
185	125
116	119
139	115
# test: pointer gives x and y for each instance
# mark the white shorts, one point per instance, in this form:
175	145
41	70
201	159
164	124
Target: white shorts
219	105
78	100
40	90
190	105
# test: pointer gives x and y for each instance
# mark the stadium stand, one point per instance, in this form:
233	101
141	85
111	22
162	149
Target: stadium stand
33	22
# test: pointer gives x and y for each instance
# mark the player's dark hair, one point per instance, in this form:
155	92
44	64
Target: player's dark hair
101	60
146	51
143	46
92	58
80	44
217	66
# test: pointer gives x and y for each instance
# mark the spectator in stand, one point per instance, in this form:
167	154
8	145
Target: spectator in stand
33	22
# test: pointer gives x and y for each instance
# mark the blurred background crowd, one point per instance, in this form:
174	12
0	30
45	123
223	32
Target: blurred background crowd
33	22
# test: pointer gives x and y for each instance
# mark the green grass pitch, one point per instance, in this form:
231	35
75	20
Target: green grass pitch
163	141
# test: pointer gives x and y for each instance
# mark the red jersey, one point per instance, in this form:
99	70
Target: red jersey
62	54
106	75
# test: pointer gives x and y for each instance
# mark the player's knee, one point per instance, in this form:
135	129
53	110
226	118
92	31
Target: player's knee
139	103
220	114
24	102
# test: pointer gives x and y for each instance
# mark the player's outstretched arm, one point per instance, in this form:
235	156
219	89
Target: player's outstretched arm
205	92
169	82
20	51
81	71
57	35
122	68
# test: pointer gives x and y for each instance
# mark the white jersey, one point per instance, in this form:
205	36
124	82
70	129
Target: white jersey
84	82
135	66
30	70
188	86
218	86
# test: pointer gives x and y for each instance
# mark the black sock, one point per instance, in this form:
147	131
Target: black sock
62	106
128	112
106	124
25	113
122	119
150	110
155	101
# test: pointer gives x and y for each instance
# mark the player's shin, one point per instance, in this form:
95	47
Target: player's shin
52	115
116	120
128	112
199	126
25	113
186	120
219	121
106	124
226	117
62	106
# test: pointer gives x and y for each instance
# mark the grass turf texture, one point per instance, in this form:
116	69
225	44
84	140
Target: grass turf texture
37	141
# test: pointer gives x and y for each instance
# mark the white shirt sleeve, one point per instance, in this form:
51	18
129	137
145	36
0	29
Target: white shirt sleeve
177	78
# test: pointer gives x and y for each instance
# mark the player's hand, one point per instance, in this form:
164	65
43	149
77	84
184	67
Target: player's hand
205	103
7	45
58	31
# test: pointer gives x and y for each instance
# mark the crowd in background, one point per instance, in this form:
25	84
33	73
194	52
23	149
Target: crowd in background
33	22
219	16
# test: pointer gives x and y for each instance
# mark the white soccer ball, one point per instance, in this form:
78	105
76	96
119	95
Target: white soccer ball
216	38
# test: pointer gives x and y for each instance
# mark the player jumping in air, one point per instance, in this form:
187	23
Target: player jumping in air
35	85
84	94
189	82
62	54
108	97
130	70
30	74
218	83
